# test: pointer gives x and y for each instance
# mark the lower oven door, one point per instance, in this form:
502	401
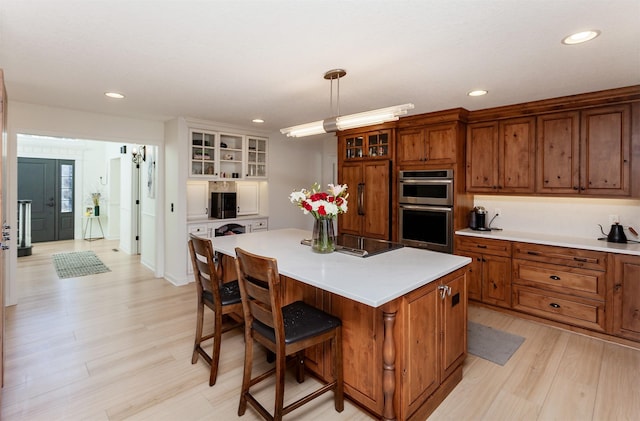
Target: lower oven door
429	227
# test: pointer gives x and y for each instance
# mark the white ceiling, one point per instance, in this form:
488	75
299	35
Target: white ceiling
232	61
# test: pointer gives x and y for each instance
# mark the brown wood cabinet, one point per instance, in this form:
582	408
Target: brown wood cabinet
489	275
558	283
371	144
501	156
586	152
411	348
369	198
626	296
435	144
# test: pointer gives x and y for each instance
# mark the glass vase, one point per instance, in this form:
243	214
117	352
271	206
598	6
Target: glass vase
96	210
324	237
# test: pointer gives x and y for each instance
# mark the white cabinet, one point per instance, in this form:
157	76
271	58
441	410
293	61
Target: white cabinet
202	154
247	198
259	225
226	156
256	157
197	199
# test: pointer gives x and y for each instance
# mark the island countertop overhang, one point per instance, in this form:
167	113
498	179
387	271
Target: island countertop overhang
373	281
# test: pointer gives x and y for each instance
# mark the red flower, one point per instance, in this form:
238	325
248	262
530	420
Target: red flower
321	211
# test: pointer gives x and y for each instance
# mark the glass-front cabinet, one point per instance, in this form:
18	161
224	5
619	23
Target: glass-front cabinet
256	157
367	145
203	153
222	155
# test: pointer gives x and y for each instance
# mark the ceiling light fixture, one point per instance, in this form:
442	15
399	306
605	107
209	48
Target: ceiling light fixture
114	95
333	124
478	92
257	120
580	37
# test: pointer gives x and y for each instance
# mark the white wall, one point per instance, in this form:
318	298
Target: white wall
575	217
58	122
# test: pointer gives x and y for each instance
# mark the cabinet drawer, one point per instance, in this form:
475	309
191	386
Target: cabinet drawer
199	230
483	245
571	310
564	279
586	259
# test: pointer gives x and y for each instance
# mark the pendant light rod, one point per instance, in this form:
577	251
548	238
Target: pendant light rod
338	122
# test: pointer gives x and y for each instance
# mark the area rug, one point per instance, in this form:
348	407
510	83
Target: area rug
491	344
78	263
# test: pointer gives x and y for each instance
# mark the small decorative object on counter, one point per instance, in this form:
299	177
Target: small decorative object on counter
95	197
324	207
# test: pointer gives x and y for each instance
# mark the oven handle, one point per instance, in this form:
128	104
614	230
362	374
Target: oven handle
360	198
426	207
414	181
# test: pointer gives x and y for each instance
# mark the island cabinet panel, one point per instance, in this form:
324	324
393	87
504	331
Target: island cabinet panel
401	359
626	296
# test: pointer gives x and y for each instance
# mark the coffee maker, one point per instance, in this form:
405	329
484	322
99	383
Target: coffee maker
478	219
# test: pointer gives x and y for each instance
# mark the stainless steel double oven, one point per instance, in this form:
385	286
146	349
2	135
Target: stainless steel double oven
425	214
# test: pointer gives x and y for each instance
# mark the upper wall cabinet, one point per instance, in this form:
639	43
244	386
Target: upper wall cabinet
500	156
428	145
256	157
222	156
372	144
203	153
585	152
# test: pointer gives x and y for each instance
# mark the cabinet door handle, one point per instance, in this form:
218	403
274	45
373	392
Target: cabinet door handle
533	253
554	277
554	305
360	198
481	246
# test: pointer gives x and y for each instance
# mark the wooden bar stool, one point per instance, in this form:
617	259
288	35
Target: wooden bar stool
222	298
285	331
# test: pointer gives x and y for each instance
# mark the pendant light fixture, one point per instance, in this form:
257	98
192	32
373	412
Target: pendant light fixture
351	121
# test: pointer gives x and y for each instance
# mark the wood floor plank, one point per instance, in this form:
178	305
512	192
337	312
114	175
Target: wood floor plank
117	346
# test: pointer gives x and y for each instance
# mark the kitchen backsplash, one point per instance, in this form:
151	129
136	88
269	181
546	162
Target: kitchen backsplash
575	217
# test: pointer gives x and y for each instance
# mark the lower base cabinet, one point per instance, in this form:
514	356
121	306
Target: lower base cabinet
400	359
626	296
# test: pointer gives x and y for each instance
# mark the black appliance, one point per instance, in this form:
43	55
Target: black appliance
426	209
223	205
356	245
478	219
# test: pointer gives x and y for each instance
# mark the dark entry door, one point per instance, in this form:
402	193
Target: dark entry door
49	184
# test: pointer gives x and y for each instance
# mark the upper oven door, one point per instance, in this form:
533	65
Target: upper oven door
426	192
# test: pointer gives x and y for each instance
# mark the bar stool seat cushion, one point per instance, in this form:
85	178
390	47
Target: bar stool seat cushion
300	321
229	294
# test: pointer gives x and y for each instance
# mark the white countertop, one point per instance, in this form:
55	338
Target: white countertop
556	240
204	219
373	280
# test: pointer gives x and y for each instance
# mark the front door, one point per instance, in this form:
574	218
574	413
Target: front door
49	184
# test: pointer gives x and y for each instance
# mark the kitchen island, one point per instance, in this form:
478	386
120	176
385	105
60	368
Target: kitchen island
404	315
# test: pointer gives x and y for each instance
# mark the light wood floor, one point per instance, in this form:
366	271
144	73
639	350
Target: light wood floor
118	346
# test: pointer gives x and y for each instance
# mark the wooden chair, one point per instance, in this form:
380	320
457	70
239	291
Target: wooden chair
222	298
284	330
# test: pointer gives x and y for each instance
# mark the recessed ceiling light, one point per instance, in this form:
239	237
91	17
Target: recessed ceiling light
580	37
115	95
478	92
258	120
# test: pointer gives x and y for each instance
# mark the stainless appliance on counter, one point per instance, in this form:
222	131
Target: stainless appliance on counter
223	205
426	209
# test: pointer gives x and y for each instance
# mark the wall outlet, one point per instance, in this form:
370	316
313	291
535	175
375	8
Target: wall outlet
613	219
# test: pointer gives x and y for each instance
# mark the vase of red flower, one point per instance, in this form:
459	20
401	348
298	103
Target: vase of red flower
324	207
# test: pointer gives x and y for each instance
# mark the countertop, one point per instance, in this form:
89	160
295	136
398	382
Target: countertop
373	281
204	219
556	240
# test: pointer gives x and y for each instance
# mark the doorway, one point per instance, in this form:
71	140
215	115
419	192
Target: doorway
49	184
